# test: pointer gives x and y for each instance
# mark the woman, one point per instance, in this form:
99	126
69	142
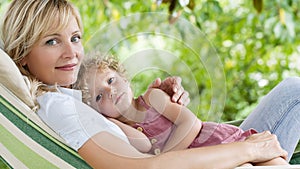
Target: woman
43	38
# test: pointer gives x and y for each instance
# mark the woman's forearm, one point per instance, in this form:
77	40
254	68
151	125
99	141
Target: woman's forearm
106	151
256	148
219	157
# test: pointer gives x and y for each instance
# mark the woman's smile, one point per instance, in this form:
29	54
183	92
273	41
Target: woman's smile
67	67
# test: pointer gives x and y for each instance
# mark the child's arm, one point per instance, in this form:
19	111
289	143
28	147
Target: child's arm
136	138
187	124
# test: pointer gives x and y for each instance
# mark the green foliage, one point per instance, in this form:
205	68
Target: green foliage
257	43
3	5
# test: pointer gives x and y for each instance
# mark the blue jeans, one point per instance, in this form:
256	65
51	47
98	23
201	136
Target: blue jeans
279	112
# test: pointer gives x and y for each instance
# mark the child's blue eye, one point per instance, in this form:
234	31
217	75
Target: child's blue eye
110	80
98	97
51	42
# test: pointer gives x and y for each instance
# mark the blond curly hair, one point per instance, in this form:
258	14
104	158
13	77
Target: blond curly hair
100	63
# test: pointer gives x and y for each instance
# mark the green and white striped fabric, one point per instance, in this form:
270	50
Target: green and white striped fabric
24	144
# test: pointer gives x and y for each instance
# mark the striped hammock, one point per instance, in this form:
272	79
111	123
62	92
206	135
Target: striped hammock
24	144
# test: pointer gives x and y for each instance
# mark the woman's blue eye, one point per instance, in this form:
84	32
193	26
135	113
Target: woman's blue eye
110	80
75	38
98	97
51	42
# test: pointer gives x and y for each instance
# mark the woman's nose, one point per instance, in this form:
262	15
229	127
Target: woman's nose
69	50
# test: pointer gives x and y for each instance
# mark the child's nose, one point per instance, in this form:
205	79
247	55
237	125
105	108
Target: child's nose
111	91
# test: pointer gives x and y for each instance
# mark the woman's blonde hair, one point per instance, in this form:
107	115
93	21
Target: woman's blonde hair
96	62
28	21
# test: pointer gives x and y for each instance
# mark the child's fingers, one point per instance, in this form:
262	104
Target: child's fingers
156	83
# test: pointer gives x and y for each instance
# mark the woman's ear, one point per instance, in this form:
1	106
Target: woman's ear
24	61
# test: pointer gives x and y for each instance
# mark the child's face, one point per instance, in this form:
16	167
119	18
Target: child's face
111	93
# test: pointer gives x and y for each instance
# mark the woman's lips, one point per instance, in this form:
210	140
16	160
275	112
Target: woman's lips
68	67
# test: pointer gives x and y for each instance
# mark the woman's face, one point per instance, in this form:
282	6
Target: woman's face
56	58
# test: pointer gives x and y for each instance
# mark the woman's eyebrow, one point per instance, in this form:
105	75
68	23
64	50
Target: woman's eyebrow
57	34
77	32
54	34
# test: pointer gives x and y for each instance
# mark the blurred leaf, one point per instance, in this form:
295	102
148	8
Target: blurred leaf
290	25
216	7
278	29
258	5
184	3
282	16
192	4
172	6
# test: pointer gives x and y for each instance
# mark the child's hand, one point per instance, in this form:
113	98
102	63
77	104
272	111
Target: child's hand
172	86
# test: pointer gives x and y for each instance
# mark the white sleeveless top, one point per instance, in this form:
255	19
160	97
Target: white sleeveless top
73	120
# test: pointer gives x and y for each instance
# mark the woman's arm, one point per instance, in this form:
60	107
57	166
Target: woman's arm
136	138
104	150
187	124
275	161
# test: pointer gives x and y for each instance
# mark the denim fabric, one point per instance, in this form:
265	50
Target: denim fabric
279	112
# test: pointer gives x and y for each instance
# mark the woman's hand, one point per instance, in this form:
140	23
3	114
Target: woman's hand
265	147
172	86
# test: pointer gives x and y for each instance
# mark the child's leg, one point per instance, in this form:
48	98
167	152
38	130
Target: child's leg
275	161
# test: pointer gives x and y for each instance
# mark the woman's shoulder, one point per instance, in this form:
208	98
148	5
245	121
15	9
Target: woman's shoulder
71	118
61	96
61	104
63	93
